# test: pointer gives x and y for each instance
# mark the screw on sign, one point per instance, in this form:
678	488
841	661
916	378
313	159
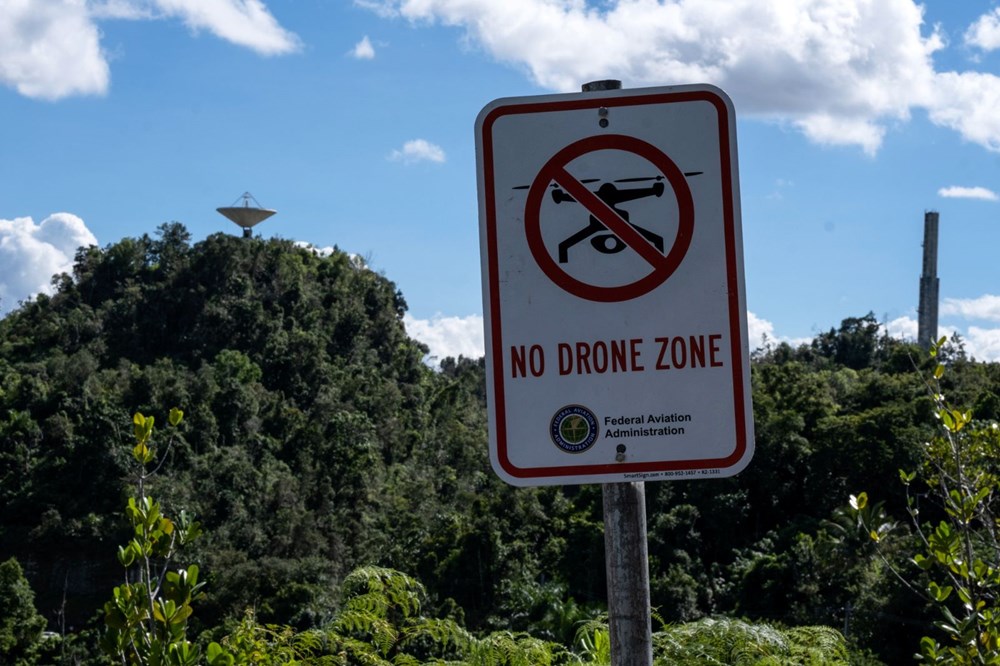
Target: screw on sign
614	230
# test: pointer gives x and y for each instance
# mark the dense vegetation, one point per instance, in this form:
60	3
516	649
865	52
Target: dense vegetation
315	442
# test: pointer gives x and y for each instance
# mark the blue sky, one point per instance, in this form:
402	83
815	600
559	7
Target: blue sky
355	122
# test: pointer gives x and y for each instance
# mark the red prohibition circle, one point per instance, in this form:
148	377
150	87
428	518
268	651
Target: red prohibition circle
663	266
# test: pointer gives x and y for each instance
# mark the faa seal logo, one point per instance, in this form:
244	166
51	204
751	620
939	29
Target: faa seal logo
574	428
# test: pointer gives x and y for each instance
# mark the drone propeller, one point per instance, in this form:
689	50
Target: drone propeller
583	180
640	180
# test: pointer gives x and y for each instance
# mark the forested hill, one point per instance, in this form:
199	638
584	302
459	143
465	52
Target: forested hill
315	440
301	392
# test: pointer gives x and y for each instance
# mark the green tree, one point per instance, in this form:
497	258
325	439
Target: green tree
20	625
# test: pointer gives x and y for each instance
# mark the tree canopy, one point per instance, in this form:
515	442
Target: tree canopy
316	441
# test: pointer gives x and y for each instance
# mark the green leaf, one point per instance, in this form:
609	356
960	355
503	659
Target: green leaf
182	614
939	593
126	556
938	371
175	416
114	618
218	656
166	526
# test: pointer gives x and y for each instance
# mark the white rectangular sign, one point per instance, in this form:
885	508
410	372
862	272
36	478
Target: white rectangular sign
616	335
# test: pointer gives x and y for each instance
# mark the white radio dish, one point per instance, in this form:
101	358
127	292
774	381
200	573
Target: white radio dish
246	216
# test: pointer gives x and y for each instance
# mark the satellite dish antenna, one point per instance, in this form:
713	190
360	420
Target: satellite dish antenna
246	216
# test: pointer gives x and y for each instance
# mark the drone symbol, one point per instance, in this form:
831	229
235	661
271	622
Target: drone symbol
612	195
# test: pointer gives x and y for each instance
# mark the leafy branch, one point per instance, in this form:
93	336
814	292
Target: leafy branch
960	552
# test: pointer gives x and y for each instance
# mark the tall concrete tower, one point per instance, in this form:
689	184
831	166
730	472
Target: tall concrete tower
927	318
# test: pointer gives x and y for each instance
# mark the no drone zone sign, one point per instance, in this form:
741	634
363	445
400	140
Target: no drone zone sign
615	311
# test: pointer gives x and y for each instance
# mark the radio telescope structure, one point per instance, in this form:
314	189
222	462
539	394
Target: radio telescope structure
246	216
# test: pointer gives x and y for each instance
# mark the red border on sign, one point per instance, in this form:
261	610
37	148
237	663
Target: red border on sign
732	283
663	265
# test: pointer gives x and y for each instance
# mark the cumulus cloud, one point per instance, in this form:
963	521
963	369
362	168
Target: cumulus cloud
30	254
841	71
958	192
983	343
418	150
903	328
967	103
980	343
363	50
760	331
448	336
985	307
761	334
51	50
985	32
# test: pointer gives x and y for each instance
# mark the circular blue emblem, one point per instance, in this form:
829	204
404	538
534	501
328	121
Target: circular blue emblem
574	429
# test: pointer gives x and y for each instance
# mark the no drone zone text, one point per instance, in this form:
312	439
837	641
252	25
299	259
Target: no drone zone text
624	355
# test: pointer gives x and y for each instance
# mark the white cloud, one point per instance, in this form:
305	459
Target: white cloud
319	251
986	307
907	329
418	150
760	333
985	32
903	328
51	49
967	103
841	71
448	336
958	192
243	22
983	344
363	50
30	254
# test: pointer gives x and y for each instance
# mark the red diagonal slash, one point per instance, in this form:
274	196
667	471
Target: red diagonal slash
608	217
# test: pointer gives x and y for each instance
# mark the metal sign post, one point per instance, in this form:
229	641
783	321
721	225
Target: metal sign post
626	557
626	552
